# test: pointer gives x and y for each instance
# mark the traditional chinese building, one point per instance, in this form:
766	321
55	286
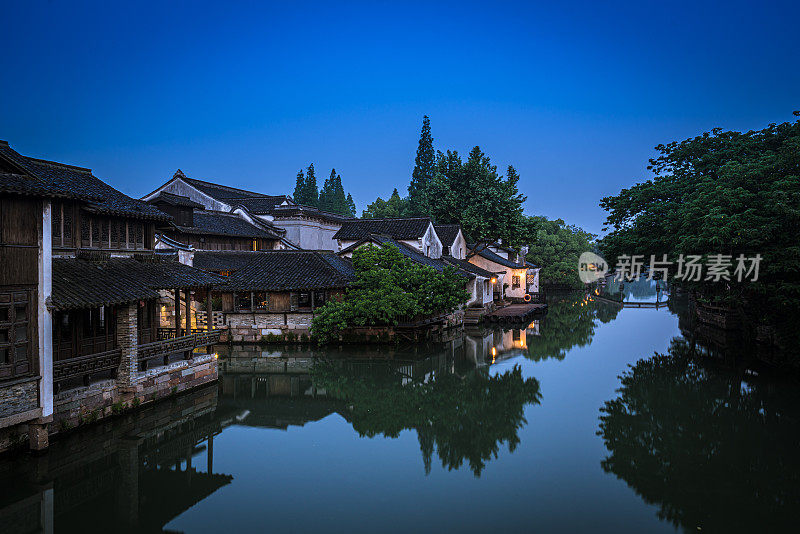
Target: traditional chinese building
79	290
453	242
296	226
205	229
275	292
416	232
515	277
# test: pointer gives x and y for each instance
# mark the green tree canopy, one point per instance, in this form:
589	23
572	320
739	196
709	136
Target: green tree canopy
332	197
488	206
305	189
723	192
396	206
556	247
388	287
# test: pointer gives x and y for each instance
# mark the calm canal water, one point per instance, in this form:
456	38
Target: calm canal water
552	428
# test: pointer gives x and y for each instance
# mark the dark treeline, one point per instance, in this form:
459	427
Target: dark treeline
330	198
450	189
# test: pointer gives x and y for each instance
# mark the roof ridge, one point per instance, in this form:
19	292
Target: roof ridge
58	164
226	187
391	219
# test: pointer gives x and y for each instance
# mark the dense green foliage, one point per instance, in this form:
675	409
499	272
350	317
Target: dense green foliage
449	190
723	192
713	447
331	198
305	189
462	419
389	287
488	206
556	247
396	206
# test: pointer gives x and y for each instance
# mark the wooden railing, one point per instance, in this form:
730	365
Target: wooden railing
85	366
166	347
172	333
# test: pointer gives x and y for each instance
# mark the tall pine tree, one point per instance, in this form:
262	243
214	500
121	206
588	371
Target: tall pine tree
419	198
326	193
332	197
300	188
311	191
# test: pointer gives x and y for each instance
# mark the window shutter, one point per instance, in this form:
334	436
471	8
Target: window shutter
293	304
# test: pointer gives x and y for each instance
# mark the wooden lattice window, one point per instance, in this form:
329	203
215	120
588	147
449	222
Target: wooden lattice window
16	352
61	218
66	213
57	222
139	229
114	234
104	242
515	282
86	227
96	232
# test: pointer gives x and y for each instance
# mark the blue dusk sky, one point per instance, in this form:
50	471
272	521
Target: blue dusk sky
574	94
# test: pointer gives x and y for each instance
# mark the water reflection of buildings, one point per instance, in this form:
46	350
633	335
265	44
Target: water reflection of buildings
494	346
135	474
139	472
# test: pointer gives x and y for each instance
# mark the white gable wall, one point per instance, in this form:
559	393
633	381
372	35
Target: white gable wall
311	234
176	186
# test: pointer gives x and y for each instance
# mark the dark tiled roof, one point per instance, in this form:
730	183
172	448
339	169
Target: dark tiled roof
297	210
399	228
175	200
225	224
101	280
223	260
263	205
464	265
406	250
173	245
447	233
485	253
290	270
221	192
81	183
26	185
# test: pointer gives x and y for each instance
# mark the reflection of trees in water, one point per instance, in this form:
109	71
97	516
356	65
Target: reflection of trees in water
642	288
570	322
463	418
713	447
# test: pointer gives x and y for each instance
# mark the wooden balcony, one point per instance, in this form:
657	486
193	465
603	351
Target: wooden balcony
83	367
169	345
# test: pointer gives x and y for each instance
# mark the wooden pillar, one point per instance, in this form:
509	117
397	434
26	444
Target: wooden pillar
210	454
177	313
312	300
187	299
